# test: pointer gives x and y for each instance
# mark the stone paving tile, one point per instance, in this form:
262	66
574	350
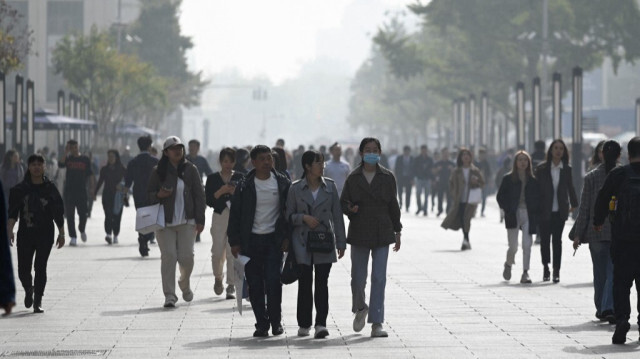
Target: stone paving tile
441	303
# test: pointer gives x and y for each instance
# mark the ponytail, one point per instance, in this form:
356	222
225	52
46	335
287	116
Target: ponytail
611	152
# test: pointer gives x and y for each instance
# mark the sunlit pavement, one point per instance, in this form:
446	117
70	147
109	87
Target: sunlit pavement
105	301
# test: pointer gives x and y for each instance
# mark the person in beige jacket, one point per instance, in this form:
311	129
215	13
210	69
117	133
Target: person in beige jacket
464	178
175	183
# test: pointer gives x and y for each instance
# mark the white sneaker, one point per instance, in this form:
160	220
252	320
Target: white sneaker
321	332
303	332
115	239
83	236
359	320
72	242
377	331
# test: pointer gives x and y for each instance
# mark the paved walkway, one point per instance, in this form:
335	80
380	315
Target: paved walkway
105	301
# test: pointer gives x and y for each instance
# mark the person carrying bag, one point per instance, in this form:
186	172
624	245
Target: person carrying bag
314	212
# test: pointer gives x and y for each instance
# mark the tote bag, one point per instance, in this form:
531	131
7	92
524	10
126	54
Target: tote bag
149	219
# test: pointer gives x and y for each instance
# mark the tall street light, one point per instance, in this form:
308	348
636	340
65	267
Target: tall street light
520	121
30	118
536	105
557	105
17	118
3	117
576	112
484	118
471	135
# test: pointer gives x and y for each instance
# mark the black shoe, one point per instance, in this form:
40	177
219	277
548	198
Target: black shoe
599	316
144	250
277	330
608	316
620	335
418	212
546	275
260	333
28	298
556	276
37	304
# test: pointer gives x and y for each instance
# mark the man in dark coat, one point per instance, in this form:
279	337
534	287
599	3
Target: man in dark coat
138	173
7	282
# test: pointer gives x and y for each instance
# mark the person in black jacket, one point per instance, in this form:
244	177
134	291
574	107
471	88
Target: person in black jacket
111	176
258	230
138	173
404	175
37	203
218	191
556	194
624	183
518	196
7	283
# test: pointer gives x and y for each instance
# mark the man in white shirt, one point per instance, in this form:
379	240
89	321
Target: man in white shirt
336	168
258	230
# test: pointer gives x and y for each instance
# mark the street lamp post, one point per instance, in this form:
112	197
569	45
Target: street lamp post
17	118
638	116
535	107
576	111
462	113
557	105
454	124
30	118
3	117
484	118
520	121
471	136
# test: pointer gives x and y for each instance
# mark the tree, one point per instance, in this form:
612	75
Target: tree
469	46
158	41
117	86
15	40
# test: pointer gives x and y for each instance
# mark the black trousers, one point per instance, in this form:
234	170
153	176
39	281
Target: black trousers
36	243
263	277
111	220
307	297
404	185
626	270
441	193
461	209
551	233
72	200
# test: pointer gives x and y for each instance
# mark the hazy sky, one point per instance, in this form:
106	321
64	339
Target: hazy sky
274	37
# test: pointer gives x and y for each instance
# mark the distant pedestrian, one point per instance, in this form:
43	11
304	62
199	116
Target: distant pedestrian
557	198
336	168
484	167
442	172
463	179
422	169
599	242
201	163
79	177
404	173
313	205
111	175
369	199
538	155
7	282
258	230
623	183
138	173
597	158
218	190
519	198
175	184
280	161
11	171
36	204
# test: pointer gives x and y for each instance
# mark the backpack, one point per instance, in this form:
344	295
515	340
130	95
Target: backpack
627	219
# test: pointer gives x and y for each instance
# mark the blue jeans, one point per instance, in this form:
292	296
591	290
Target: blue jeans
602	275
423	185
359	266
263	277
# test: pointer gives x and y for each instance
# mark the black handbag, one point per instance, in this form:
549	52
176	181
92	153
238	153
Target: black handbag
320	241
290	271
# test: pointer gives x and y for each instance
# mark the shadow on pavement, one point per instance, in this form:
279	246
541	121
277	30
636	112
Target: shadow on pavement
118	313
632	347
135	258
591	326
252	343
579	285
516	284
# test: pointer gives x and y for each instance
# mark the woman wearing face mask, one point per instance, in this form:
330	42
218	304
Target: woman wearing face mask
37	204
176	184
219	189
556	193
463	179
518	196
111	175
369	199
313	205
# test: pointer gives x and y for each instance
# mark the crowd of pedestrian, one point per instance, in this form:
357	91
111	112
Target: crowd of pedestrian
269	201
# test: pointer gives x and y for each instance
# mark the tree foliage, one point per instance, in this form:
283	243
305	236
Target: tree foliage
15	40
117	86
464	47
157	39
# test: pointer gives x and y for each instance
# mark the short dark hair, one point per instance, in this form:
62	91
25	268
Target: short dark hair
334	145
366	140
36	157
280	140
633	147
258	149
308	158
424	147
280	159
194	142
539	145
144	142
72	142
462	151
406	148
227	152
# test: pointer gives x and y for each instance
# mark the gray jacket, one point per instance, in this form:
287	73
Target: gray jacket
194	200
593	181
326	209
